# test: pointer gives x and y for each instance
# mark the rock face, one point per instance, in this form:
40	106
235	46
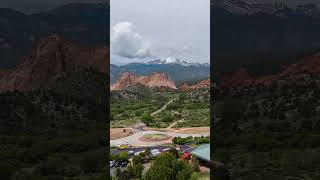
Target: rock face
53	58
205	84
153	80
238	79
303	72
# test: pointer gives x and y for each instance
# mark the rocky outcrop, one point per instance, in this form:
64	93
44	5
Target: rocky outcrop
154	80
297	73
53	58
205	84
239	78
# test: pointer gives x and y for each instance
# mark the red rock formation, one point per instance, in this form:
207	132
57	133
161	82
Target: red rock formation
205	84
241	79
309	64
153	80
51	58
184	87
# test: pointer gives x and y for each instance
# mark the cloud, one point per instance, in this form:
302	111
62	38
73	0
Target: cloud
125	42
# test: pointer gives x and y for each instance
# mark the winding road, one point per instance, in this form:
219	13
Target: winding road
135	139
162	108
173	124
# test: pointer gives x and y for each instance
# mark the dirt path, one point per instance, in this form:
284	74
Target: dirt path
173	124
162	108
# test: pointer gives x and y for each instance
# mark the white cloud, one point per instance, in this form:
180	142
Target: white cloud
125	42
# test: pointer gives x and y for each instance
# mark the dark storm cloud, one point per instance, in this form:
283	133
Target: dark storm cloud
34	6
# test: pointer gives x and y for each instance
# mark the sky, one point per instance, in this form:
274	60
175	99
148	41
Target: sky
144	30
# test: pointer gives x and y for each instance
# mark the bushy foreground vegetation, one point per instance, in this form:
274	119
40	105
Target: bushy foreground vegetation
131	106
42	136
268	133
165	166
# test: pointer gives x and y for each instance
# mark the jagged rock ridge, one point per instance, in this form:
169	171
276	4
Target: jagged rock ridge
304	71
204	84
154	80
53	58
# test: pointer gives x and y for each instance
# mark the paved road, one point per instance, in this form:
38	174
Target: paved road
160	148
134	139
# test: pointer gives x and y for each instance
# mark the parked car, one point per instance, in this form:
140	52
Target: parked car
124	164
112	164
123	146
155	152
117	164
165	150
131	153
137	153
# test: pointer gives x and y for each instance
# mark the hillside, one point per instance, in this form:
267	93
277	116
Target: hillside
271	120
52	60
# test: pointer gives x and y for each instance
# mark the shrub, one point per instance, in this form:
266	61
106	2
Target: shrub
167	117
147	119
7	170
166	166
91	163
52	166
136	160
139	112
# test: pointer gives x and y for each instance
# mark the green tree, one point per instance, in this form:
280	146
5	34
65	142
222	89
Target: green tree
139	112
167	117
182	96
148	152
135	171
147	119
167	166
174	152
91	163
123	156
52	166
136	160
231	113
195	164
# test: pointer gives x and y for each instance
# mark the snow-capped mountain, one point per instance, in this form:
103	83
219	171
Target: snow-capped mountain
177	69
174	60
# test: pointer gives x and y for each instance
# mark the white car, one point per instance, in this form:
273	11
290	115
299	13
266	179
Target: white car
137	153
112	164
155	152
131	153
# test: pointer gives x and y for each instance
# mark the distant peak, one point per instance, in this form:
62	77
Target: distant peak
174	60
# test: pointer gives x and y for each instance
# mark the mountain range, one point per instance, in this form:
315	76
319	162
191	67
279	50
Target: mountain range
178	70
